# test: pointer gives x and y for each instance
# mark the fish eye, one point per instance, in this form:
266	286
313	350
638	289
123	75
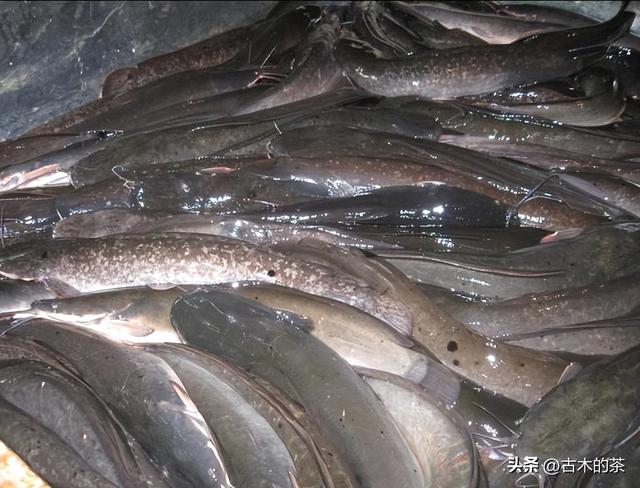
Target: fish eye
44	255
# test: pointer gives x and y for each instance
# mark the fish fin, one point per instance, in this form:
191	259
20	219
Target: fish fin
570	372
560	235
441	383
117	82
60	288
161	286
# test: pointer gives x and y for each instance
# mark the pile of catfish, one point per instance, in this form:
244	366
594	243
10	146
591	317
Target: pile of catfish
351	245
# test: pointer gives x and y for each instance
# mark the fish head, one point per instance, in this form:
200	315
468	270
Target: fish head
26	263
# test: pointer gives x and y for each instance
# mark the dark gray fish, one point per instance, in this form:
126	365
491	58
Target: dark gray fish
344	408
201	111
493	29
147	397
175	89
598	338
26	217
255	455
196	140
247	45
221	193
378	26
563	15
60	402
47	170
557	204
519	128
107	222
316	464
432	33
316	71
45	452
376	119
587	415
614	189
359	338
422	206
539	311
630	452
473	70
624	62
204	54
594	256
601	103
450	240
545	157
138	315
22	149
121	221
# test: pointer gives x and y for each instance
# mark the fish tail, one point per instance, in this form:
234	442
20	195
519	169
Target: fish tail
587	44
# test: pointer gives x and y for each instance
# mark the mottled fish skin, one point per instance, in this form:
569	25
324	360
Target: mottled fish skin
231	47
344	408
586	415
473	70
91	265
63	404
630	452
210	52
255	455
45	453
511	371
146	396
